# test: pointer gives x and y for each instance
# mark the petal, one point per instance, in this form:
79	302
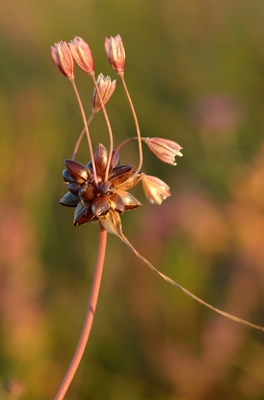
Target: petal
77	170
82	214
101	158
121	174
112	223
130	202
69	200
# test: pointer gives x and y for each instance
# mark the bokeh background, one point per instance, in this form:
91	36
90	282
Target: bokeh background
195	70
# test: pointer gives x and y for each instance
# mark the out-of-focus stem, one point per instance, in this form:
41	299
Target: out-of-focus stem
81	136
121	76
86	128
111	140
89	316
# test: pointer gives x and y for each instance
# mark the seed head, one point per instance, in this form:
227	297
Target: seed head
62	58
115	53
82	54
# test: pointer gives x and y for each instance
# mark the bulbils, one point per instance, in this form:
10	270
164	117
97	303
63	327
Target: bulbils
115	53
92	201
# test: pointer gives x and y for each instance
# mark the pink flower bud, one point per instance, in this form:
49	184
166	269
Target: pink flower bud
115	53
62	58
166	150
82	54
155	189
106	88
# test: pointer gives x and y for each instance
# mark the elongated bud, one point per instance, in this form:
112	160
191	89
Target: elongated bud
166	150
115	53
106	88
82	54
62	58
155	189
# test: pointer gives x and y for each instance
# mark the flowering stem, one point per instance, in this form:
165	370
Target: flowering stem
89	316
81	136
111	140
121	76
86	128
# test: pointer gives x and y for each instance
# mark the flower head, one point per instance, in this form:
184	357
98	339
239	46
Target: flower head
94	201
106	88
62	58
155	189
166	150
82	54
115	53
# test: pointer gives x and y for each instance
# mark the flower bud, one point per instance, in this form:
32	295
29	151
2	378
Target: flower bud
82	54
155	189
166	150
62	58
115	53
106	88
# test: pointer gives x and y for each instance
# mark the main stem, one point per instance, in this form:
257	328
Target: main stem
89	316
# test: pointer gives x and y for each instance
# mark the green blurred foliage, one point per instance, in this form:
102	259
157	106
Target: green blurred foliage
195	71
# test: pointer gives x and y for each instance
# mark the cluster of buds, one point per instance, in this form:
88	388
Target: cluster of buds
101	186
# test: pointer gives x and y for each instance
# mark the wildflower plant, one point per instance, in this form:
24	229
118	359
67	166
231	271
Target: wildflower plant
100	190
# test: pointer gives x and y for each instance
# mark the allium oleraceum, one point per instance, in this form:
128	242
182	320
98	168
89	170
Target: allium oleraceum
99	190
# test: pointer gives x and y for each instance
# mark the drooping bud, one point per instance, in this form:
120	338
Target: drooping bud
115	53
166	150
106	88
155	189
62	58
82	54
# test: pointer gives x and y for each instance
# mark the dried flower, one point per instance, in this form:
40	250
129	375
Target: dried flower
94	201
62	58
106	88
115	53
82	54
155	189
166	150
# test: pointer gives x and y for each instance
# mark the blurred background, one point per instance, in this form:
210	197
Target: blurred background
195	71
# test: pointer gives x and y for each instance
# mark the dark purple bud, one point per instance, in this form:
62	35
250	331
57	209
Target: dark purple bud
117	203
77	170
121	174
69	200
100	206
67	176
82	214
129	201
101	158
87	191
73	188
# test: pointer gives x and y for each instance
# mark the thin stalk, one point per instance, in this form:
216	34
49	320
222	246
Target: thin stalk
86	128
76	148
121	76
89	316
111	140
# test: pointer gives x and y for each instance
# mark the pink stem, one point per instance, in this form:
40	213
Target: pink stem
89	316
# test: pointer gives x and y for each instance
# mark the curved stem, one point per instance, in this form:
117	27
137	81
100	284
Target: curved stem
121	76
76	148
111	140
86	129
88	318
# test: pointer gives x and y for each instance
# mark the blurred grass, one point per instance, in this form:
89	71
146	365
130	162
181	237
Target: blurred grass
195	70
